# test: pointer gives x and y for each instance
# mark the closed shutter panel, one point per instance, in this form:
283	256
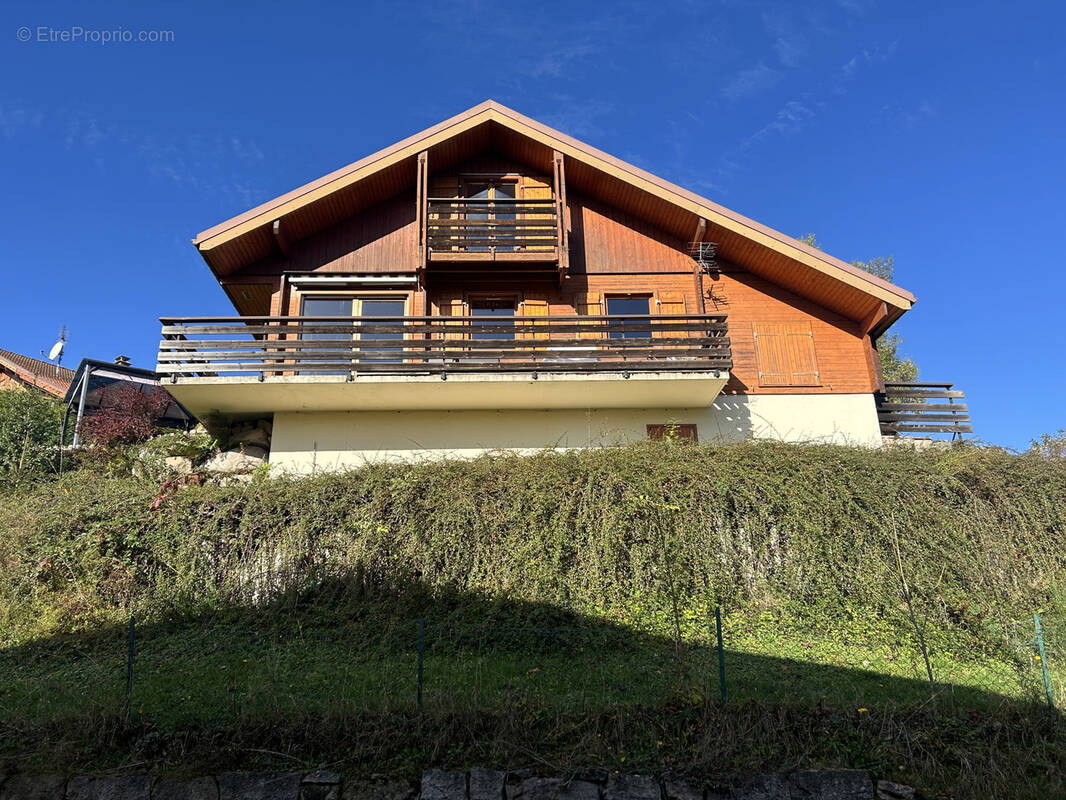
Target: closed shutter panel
535	308
589	304
453	307
785	354
537	189
801	357
671	304
444	187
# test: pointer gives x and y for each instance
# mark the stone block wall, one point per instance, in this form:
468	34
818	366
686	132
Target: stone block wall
475	784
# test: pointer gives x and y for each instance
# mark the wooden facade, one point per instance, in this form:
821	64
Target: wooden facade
504	210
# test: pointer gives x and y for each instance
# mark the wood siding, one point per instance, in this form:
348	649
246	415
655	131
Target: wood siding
840	347
612	252
605	240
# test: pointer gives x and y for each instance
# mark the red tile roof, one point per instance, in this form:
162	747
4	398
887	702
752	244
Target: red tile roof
35	372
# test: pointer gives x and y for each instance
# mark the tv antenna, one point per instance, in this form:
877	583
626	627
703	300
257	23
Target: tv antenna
56	353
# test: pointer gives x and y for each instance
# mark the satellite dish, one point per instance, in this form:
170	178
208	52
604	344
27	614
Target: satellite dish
56	351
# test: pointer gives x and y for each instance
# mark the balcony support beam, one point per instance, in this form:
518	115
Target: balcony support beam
421	207
561	220
284	245
701	231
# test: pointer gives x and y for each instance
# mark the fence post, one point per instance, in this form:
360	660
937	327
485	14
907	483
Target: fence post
1043	660
721	652
130	650
421	654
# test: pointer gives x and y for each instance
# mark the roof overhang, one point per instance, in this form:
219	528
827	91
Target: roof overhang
252	236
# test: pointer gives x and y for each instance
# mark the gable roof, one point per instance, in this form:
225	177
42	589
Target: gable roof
246	238
35	372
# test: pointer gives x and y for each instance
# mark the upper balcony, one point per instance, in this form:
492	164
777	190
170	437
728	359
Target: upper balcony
469	229
260	365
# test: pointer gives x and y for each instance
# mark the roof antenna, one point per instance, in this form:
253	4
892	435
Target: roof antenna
56	353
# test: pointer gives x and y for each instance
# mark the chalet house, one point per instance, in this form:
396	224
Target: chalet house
491	283
18	371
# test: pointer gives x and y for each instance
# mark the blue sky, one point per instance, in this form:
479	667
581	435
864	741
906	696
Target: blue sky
931	131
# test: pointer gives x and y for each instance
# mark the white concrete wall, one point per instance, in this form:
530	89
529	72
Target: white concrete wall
305	442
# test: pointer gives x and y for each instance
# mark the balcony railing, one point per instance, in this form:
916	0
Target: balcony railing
492	226
922	408
285	346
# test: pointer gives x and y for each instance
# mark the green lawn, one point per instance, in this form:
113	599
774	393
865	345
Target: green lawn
259	664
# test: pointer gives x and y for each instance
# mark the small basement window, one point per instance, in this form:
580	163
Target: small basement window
673	432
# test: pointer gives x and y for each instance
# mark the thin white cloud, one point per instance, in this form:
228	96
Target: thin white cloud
749	81
197	162
857	7
14	120
789	42
580	118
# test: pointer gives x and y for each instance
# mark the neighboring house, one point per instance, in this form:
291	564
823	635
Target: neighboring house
18	371
91	389
492	283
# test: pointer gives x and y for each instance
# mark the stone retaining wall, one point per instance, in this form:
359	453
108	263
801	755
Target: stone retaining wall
477	784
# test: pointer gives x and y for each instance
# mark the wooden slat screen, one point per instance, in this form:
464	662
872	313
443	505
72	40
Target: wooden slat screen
534	308
454	307
785	354
536	189
670	304
589	304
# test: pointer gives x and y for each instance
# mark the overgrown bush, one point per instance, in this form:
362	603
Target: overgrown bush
630	532
1049	445
29	436
127	414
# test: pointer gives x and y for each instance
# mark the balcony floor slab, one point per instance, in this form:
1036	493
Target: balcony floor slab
248	396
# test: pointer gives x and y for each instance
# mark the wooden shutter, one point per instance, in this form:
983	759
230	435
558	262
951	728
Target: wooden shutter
454	307
534	308
444	187
673	431
785	354
589	304
672	304
537	189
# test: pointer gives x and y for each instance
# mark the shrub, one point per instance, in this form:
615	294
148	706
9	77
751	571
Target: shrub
1049	445
127	415
29	436
620	531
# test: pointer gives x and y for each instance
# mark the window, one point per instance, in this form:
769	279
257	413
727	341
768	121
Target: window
785	354
492	312
347	306
673	432
381	307
628	306
490	222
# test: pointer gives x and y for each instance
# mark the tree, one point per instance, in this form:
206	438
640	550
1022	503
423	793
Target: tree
894	366
29	435
127	415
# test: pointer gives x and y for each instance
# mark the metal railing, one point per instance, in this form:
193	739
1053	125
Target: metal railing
214	346
490	226
922	408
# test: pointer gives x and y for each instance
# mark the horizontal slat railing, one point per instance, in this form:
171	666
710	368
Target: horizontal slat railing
476	225
906	408
233	346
